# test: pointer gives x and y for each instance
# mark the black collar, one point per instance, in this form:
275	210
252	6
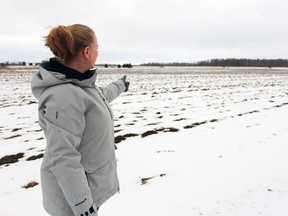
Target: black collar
56	66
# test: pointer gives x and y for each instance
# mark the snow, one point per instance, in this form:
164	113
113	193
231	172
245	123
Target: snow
228	157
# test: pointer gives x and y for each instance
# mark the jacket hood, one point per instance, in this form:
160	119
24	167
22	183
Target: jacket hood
45	79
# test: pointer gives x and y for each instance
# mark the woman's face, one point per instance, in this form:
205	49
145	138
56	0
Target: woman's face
93	52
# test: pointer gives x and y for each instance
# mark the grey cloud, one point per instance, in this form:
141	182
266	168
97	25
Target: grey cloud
140	31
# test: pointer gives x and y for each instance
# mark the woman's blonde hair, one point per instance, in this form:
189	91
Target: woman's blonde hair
66	41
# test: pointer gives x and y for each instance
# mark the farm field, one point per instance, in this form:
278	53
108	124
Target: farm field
190	141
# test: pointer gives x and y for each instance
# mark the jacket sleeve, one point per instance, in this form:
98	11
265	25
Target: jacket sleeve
113	90
65	122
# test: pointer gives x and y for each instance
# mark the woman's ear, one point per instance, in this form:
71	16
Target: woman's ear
86	52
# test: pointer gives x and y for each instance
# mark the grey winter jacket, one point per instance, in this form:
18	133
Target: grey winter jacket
79	165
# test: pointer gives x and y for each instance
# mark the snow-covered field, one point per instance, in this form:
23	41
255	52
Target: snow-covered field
191	141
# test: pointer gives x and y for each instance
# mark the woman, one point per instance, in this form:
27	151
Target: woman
78	172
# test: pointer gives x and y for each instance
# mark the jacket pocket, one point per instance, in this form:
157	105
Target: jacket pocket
98	170
101	180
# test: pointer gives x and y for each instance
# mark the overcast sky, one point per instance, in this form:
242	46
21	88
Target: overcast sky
141	31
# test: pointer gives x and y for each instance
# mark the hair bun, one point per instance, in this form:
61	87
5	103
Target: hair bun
60	41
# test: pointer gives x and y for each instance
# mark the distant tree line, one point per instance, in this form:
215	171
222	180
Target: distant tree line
231	62
126	65
20	63
8	63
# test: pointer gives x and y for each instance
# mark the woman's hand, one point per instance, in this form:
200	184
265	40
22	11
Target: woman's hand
125	83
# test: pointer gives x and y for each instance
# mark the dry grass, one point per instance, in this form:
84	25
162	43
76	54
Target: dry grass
30	184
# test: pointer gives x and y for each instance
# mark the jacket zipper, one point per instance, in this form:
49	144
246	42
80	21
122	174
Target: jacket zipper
104	100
